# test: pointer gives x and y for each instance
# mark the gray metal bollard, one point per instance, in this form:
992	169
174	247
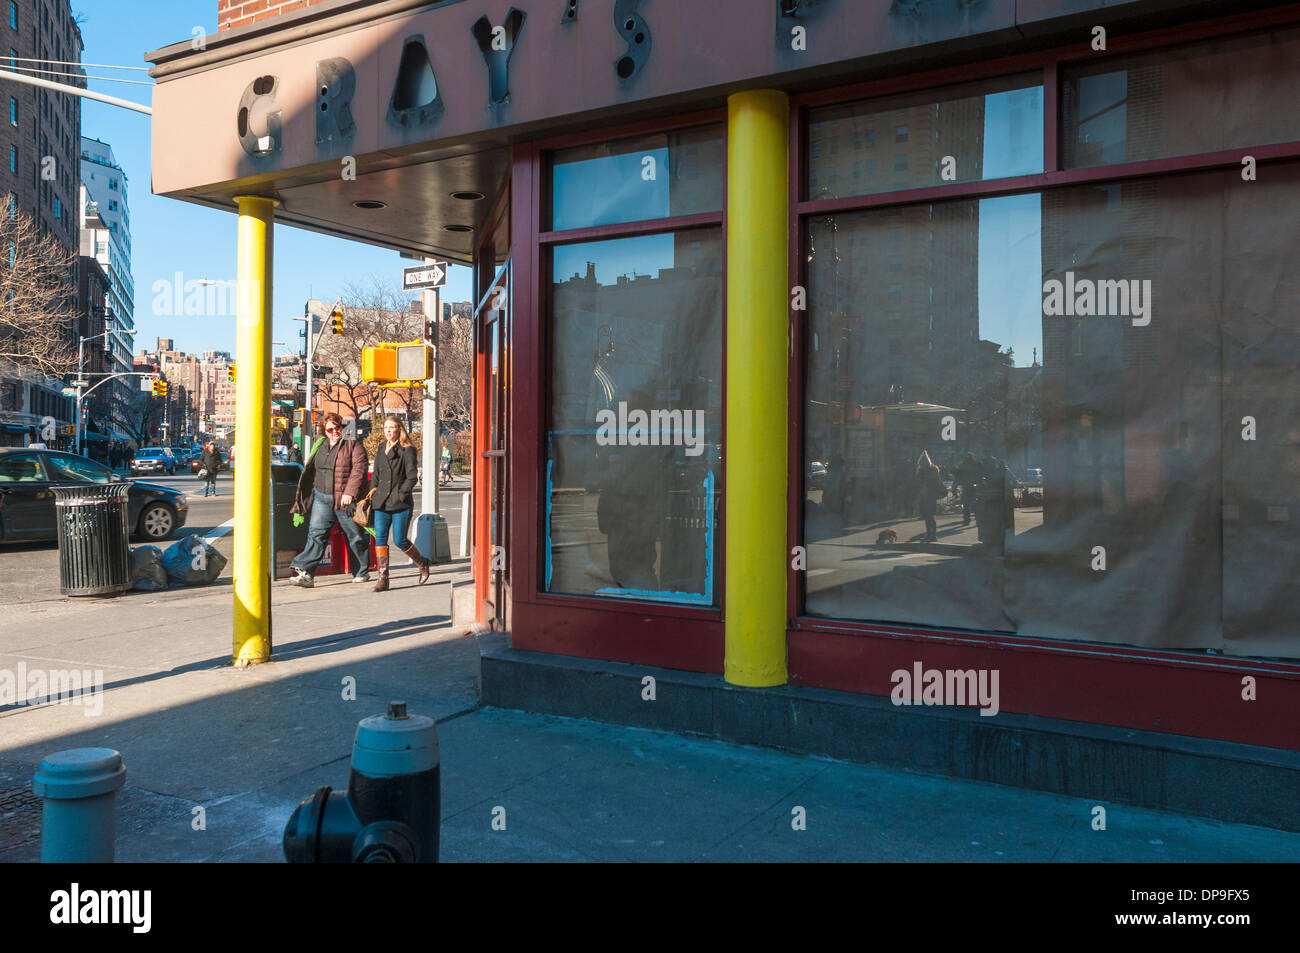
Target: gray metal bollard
79	816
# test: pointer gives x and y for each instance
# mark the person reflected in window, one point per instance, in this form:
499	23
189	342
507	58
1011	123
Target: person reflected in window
930	490
626	514
968	478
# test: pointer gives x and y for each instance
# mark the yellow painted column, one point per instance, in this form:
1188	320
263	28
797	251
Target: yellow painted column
252	566
757	335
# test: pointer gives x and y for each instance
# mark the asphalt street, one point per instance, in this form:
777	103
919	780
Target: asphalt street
29	572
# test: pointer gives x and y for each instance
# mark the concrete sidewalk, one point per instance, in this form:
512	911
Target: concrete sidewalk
247	746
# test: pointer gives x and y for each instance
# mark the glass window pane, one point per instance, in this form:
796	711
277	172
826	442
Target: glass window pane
1204	98
987	130
1054	423
632	180
79	470
636	433
21	468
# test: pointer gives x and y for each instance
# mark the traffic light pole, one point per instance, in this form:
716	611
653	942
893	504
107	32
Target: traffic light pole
309	415
82	396
431	536
313	341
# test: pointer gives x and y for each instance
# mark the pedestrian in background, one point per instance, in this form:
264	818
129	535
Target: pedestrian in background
331	482
930	489
210	464
395	473
968	477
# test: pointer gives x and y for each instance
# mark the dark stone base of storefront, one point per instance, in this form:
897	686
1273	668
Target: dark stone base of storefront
1226	781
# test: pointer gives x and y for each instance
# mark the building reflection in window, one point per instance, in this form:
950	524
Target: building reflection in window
635	437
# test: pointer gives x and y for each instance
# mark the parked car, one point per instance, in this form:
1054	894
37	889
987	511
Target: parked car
27	478
1034	477
816	475
154	460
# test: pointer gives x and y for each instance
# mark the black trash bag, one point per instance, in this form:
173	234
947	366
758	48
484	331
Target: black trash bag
147	572
192	561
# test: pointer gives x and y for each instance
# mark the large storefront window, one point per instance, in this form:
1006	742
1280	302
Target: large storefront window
1223	94
987	130
635	435
1068	414
657	176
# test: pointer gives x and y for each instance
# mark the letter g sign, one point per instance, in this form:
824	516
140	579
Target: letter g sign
255	108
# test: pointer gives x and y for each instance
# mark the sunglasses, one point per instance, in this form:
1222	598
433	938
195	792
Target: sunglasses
331	429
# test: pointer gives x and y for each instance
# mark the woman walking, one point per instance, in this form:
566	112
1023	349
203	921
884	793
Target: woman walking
394	479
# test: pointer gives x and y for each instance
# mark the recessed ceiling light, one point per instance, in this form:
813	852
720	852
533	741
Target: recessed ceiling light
468	196
370	205
458	228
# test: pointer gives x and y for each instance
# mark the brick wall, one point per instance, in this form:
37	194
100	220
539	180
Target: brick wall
233	13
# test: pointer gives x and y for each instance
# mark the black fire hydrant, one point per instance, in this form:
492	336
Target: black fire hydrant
391	811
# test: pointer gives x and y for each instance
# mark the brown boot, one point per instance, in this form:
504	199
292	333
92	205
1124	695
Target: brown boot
419	560
381	557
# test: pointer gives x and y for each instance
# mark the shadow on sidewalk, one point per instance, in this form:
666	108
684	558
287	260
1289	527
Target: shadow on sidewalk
294	651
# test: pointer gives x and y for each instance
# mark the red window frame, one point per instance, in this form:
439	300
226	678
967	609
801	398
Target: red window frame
654	633
1178	692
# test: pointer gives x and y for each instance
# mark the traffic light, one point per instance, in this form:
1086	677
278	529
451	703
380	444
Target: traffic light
160	388
401	365
336	319
230	373
379	365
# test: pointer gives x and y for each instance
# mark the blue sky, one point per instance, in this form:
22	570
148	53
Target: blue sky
169	236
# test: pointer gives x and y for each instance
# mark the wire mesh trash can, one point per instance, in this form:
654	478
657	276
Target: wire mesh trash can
94	557
287	540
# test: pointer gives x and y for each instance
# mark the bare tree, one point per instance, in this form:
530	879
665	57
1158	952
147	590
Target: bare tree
141	416
378	312
372	314
456	369
37	297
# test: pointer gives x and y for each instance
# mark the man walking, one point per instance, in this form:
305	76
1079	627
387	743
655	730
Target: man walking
210	465
332	479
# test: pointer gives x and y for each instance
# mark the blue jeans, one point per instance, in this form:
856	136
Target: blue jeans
400	522
322	520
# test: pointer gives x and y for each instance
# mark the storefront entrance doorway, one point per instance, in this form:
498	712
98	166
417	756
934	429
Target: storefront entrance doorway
490	525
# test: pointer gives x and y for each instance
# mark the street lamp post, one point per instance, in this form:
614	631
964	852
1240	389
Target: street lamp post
81	355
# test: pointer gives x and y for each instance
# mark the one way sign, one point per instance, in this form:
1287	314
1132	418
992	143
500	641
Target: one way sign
432	274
